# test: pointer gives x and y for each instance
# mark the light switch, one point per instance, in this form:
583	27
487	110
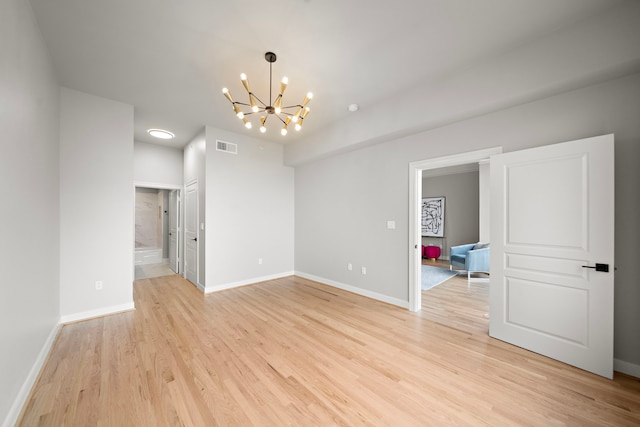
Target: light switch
202	226
391	225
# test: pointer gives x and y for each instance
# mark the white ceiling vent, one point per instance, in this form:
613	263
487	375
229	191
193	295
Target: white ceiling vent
227	147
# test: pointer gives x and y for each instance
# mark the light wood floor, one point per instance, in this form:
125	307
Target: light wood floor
295	352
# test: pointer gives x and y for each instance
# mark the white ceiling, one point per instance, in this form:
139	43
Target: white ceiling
171	58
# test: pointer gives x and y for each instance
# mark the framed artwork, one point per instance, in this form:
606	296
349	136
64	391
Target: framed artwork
433	217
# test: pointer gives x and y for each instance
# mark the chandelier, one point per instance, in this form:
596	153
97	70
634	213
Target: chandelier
295	115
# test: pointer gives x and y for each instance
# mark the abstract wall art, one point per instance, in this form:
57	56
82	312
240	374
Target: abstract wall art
433	217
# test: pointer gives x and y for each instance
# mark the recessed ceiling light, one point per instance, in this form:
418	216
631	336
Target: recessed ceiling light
161	133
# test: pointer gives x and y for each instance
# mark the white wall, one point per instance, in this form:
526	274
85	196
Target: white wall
342	205
343	202
30	252
591	51
96	205
461	194
159	165
249	211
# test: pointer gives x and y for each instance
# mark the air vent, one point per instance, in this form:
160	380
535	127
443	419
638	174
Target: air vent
227	147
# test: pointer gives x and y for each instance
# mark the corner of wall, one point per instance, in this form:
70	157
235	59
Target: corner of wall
32	377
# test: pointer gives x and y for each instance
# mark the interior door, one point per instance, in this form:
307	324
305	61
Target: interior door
552	223
191	233
174	220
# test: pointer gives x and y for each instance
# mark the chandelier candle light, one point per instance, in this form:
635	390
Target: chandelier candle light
257	106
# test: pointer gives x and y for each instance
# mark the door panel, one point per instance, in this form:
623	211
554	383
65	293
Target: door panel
552	214
524	297
191	233
532	206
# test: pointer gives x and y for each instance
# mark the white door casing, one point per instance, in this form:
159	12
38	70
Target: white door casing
191	233
552	217
174	220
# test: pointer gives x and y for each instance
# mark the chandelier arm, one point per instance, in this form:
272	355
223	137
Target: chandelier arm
259	100
241	103
280	118
293	106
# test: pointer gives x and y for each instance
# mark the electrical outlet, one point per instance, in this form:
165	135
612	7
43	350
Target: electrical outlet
349	266
98	285
364	270
260	261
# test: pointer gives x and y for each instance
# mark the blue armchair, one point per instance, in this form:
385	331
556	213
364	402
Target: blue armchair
474	258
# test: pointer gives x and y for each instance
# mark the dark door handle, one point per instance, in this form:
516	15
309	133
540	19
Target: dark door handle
598	267
195	240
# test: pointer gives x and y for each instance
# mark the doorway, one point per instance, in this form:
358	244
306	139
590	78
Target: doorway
450	217
156	233
415	198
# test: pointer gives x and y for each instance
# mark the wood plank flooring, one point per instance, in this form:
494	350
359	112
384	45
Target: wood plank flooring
295	352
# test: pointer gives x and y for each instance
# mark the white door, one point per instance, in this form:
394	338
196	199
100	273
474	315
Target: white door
174	220
191	233
551	223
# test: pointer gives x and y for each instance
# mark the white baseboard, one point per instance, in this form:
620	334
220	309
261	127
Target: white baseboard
355	290
626	368
23	394
217	288
85	315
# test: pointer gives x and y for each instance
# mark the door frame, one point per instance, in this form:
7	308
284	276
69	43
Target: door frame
415	198
158	186
178	213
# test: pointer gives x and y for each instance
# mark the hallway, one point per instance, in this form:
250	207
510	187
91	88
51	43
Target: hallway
148	271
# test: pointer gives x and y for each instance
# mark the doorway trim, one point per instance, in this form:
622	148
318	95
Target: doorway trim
415	197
